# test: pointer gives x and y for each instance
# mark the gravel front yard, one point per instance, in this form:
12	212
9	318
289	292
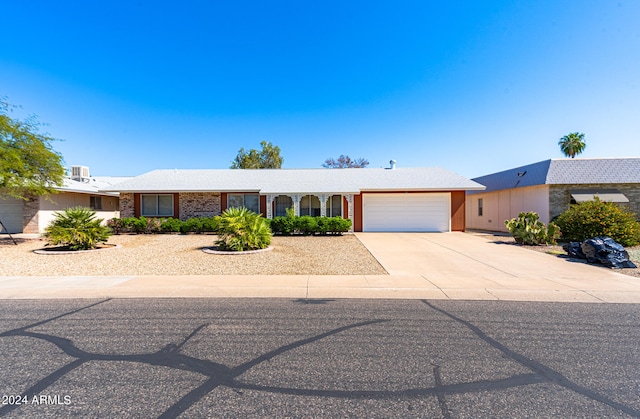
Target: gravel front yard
558	251
183	255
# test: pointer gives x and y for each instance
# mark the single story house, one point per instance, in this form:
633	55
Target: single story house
404	199
79	189
549	187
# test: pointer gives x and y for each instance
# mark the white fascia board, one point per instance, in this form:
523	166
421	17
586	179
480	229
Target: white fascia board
444	189
306	192
84	191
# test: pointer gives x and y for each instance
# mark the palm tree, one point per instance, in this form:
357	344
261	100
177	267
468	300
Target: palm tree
78	228
572	144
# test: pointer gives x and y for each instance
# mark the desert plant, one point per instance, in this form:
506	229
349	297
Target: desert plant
239	229
78	228
599	219
528	229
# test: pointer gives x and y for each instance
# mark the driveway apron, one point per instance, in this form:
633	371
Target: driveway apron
466	258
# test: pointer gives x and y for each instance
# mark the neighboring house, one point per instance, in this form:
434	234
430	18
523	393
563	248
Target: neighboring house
407	199
80	189
549	187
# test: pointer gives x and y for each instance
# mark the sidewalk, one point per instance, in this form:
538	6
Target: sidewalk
622	289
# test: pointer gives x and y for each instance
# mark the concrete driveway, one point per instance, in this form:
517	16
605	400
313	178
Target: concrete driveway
456	261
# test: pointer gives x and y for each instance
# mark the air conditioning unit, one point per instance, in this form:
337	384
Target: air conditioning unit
80	173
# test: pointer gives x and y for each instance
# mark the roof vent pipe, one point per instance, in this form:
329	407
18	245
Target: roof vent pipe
392	164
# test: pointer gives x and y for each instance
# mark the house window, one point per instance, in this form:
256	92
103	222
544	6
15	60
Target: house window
248	201
283	202
334	206
157	205
310	205
95	202
480	207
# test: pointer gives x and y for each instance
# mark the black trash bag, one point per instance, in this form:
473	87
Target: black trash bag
606	251
574	250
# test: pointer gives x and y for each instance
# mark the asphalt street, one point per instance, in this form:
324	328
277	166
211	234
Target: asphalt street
148	358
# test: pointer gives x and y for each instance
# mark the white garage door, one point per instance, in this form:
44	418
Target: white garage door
406	212
11	214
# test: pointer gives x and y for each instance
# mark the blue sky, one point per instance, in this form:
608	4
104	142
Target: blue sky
475	87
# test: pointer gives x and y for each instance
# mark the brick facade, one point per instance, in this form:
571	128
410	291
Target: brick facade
560	197
127	205
198	204
30	216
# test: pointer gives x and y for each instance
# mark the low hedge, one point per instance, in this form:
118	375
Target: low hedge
286	226
144	225
308	225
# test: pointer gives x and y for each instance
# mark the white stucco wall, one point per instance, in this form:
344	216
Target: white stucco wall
64	200
506	204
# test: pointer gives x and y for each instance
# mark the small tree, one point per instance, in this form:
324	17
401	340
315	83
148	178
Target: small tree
77	228
572	144
345	162
28	164
267	158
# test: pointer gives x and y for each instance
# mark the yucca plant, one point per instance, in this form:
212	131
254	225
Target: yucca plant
78	228
239	229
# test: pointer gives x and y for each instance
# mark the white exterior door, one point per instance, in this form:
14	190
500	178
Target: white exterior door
406	212
11	214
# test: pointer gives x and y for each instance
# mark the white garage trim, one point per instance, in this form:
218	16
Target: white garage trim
11	214
406	212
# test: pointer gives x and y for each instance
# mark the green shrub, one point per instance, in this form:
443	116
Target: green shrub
115	225
309	225
127	224
283	225
170	225
338	225
596	218
77	228
306	225
139	225
239	229
528	229
322	225
153	226
192	225
209	224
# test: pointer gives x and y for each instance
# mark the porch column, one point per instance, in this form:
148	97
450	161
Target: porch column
296	203
270	199
349	198
323	204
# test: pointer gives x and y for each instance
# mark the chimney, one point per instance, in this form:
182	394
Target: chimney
392	164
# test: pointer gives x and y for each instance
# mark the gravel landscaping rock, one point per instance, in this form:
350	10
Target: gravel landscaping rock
183	255
558	251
